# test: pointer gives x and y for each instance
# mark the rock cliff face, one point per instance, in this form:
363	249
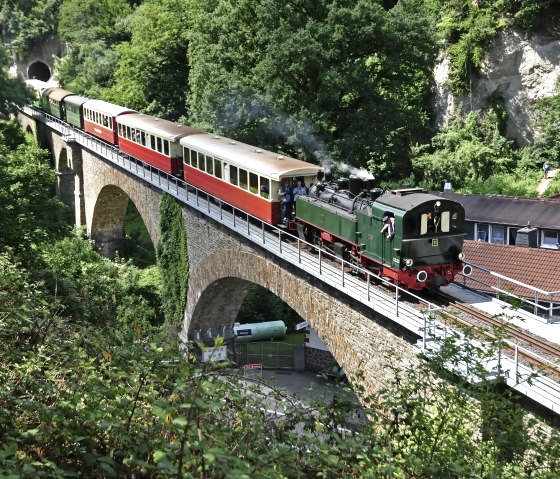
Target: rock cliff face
520	69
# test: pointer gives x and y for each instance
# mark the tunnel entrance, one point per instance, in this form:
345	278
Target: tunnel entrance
39	71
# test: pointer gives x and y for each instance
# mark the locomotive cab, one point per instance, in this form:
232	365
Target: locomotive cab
425	248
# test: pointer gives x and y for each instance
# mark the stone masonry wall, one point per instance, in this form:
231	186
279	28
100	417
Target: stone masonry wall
223	267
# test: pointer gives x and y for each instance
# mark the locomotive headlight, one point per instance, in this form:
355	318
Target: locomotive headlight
461	255
408	262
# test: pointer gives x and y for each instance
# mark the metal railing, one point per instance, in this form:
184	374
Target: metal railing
543	304
346	277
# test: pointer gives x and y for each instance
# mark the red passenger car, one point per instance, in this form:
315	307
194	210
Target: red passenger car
153	140
242	175
99	119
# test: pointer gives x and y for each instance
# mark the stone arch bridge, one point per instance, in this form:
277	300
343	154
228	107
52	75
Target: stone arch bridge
222	265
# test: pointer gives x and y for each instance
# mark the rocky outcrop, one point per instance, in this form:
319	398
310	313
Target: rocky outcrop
520	69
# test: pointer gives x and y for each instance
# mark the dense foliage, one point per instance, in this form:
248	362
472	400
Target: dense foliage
262	305
91	386
13	93
26	23
103	399
92	28
173	261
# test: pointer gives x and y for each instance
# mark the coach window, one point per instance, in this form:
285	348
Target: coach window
152	142
253	183
243	178
217	168
201	162
233	175
265	187
143	138
158	144
194	159
209	165
166	147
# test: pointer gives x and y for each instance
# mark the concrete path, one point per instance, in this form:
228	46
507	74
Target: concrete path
543	185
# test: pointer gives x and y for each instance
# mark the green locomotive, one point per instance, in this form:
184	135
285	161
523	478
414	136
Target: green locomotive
410	236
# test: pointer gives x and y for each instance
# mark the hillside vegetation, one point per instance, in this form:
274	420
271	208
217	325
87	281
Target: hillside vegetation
341	83
91	384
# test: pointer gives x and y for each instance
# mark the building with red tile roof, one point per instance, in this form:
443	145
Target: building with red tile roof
536	267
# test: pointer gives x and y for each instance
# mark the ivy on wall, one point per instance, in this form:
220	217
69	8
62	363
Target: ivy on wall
173	261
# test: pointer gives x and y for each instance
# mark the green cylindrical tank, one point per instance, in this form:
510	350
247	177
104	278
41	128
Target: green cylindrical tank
259	331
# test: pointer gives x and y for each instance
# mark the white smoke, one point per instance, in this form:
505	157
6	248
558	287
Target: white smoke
329	165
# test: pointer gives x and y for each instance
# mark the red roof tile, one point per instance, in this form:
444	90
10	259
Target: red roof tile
537	267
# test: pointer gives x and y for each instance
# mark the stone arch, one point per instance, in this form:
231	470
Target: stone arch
107	227
356	337
39	70
103	183
107	224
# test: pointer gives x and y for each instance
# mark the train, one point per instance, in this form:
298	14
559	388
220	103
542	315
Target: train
407	235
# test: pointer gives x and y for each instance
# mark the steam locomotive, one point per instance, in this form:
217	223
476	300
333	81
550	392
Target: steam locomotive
407	235
412	237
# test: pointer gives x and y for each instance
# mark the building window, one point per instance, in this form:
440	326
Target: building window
469	231
549	239
482	232
497	235
512	234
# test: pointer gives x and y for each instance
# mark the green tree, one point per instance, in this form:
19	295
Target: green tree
262	305
547	125
26	23
322	81
156	55
13	92
27	204
468	149
92	29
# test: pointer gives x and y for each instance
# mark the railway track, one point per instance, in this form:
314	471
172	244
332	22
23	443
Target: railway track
540	354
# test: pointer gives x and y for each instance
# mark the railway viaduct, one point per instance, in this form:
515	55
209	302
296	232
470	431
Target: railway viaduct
222	265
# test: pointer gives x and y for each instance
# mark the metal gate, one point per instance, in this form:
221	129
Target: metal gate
271	354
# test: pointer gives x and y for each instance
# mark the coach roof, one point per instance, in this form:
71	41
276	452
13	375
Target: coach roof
249	157
56	93
157	126
107	108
